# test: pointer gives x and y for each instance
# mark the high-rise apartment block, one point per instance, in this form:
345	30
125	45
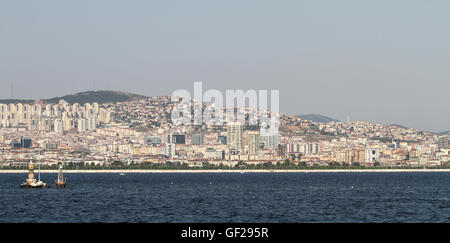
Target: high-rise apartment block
54	117
234	136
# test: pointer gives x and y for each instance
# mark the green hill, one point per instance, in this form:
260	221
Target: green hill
316	118
102	96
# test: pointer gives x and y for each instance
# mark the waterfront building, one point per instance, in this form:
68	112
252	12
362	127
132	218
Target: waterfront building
234	136
170	150
153	140
443	142
222	139
372	155
269	141
197	139
176	138
311	148
253	142
213	154
282	151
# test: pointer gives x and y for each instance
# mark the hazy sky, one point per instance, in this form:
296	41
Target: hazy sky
385	61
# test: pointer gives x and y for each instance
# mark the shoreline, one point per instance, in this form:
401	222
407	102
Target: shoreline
231	171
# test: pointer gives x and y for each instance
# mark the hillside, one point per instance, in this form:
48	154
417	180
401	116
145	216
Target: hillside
444	133
102	96
317	118
399	126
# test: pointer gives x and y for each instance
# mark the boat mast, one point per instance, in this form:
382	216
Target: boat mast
59	174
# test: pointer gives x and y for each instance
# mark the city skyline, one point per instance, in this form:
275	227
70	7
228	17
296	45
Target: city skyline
141	132
229	120
321	116
381	61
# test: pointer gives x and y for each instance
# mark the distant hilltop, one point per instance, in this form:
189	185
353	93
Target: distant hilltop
400	126
444	133
101	96
109	96
317	118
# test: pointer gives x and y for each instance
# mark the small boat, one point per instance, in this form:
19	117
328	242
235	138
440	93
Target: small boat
31	181
121	173
61	181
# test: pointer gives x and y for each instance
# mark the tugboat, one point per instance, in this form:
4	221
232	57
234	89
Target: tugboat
31	182
61	181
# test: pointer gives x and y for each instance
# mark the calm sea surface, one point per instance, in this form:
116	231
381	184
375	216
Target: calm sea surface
230	197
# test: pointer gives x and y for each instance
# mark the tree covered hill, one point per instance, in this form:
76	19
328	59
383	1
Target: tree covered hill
316	118
102	96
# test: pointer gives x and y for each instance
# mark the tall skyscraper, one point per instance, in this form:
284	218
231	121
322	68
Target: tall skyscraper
443	142
270	141
58	126
234	136
81	125
253	142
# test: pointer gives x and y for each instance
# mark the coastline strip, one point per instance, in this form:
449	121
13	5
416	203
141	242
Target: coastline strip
234	171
